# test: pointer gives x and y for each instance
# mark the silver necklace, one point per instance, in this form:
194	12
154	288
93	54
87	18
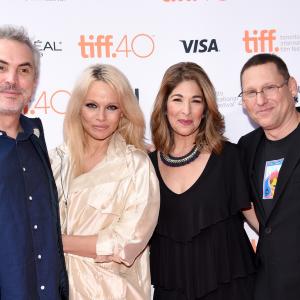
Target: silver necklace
180	161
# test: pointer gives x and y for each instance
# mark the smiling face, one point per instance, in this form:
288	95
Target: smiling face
185	108
17	76
270	113
100	113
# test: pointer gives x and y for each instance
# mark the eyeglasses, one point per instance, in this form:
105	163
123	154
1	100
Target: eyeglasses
269	91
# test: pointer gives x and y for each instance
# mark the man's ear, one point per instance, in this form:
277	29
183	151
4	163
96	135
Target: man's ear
293	87
243	104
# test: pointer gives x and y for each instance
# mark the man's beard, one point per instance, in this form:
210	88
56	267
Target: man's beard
7	88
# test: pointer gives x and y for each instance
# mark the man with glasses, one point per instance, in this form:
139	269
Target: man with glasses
271	154
32	264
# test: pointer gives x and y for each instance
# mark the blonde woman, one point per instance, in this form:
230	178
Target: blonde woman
108	190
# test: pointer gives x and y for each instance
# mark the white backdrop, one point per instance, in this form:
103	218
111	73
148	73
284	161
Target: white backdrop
144	37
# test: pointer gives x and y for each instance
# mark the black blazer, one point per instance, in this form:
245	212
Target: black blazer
278	249
38	140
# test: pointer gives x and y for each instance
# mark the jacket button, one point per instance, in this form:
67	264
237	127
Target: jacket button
268	230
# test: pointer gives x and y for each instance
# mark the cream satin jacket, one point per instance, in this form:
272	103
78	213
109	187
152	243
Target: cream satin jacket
118	200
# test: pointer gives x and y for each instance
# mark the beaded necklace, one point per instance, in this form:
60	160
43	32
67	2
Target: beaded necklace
180	161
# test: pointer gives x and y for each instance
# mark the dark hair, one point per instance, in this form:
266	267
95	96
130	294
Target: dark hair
264	58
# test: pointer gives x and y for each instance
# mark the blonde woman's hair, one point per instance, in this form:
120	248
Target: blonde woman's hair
131	125
211	129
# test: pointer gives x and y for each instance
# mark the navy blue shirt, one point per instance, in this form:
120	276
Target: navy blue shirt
29	258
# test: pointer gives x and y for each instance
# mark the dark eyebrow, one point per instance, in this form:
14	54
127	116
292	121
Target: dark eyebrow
179	95
176	95
21	65
27	64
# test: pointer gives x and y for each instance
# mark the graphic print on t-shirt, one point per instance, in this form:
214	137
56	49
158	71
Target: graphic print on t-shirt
272	169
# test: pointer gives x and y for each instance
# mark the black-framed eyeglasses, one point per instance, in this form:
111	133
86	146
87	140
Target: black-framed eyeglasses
268	91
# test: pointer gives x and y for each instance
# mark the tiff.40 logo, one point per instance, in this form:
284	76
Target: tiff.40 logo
141	45
260	41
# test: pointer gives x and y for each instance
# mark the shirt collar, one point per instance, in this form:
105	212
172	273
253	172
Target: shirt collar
28	128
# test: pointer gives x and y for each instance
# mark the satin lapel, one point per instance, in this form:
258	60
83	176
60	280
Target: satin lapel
290	161
254	146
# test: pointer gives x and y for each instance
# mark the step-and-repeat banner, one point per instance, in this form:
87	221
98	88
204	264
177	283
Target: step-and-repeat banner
144	37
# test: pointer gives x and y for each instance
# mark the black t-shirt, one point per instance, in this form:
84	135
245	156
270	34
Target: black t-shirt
269	159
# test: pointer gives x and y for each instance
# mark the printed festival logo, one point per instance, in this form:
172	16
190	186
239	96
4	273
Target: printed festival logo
140	45
46	102
269	40
54	102
226	102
